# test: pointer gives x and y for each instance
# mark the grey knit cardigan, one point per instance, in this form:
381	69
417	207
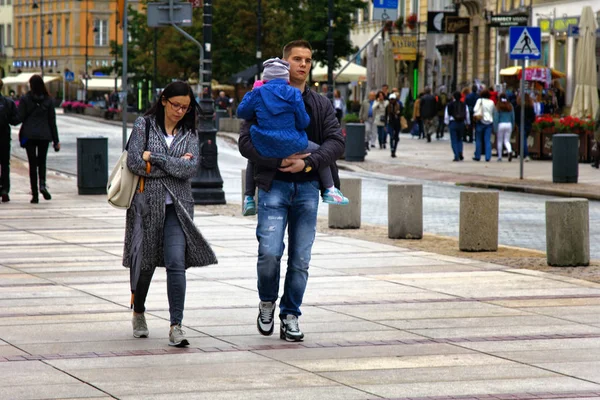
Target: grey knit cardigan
169	173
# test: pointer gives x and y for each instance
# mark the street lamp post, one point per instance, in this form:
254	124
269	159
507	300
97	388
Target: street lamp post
207	185
330	43
258	39
35	5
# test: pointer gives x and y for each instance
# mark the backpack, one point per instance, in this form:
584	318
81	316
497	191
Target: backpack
458	111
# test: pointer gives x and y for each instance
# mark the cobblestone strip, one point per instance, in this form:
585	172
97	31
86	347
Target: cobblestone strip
335	303
510	396
281	346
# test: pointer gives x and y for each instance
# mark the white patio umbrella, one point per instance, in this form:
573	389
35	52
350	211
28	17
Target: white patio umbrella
353	73
585	100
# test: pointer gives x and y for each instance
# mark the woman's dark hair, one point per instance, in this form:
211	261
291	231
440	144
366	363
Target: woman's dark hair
174	89
378	93
503	104
36	83
485	93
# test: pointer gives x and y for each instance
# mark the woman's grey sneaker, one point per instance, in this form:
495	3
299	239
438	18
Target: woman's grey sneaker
140	329
264	322
290	330
177	337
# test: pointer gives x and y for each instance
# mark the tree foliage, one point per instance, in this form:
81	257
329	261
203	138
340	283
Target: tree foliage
234	37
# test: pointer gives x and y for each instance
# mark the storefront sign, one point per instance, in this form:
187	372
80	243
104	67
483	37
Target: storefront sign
458	25
557	25
436	21
503	21
404	48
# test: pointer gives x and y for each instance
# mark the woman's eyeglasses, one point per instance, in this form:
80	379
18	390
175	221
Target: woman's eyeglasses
177	107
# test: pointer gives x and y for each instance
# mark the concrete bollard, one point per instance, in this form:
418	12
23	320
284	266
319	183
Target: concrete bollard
348	216
405	211
478	221
567	232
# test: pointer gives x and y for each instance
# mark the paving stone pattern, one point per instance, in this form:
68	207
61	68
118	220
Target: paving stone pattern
381	322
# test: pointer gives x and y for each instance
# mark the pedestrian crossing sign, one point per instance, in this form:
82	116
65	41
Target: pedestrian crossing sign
525	43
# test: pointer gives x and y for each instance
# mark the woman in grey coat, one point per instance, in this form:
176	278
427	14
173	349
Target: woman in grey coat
170	238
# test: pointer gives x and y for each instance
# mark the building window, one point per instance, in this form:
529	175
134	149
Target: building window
101	34
2	40
27	35
57	33
48	32
9	35
365	13
415	7
19	35
67	32
34	34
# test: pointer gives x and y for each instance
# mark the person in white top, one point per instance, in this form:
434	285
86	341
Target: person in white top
483	115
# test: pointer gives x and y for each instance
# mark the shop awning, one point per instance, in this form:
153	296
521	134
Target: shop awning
103	84
354	73
516	71
23	78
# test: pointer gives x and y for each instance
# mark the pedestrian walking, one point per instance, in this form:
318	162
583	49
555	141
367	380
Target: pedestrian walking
279	132
417	116
38	129
529	120
8	116
366	117
596	146
470	101
483	114
457	117
289	195
170	237
442	101
380	118
393	112
428	112
339	104
504	123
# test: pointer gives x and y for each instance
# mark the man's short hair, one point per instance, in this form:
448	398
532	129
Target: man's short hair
1	84
385	85
287	49
427	90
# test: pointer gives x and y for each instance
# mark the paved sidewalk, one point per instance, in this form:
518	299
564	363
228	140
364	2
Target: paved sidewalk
380	321
432	161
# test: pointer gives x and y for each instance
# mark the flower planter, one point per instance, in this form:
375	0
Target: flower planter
546	143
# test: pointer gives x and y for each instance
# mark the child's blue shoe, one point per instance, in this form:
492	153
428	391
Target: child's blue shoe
334	196
249	206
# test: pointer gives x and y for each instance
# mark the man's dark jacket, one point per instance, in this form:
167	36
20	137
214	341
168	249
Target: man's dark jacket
428	106
38	117
470	101
8	116
327	133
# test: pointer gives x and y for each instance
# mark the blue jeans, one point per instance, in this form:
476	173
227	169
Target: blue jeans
293	205
457	132
174	247
382	135
483	134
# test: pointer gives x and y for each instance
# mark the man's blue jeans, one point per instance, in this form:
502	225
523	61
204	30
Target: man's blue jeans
483	134
457	132
293	205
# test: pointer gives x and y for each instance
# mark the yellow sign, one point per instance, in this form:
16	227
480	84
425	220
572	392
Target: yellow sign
404	48
558	25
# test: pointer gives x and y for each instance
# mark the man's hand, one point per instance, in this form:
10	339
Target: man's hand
146	156
294	163
187	156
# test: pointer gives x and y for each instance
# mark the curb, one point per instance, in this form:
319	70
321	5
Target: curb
530	189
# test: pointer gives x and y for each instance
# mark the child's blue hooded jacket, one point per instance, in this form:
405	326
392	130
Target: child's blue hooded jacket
281	119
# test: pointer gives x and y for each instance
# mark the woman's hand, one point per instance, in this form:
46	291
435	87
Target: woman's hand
187	156
146	156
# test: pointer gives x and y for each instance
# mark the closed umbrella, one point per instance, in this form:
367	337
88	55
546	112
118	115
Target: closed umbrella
585	100
139	207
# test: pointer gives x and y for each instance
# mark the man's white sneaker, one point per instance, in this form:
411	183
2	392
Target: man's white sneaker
264	321
290	330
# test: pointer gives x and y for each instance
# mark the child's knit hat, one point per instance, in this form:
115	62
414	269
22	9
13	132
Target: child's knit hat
274	68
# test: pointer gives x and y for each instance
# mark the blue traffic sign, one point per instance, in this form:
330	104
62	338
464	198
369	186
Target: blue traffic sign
525	43
385	4
69	76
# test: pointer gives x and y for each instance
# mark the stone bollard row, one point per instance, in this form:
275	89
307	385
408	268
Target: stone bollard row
567	232
348	216
405	211
478	224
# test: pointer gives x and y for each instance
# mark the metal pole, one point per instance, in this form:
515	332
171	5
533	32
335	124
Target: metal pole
87	31
330	43
522	130
207	185
155	75
258	40
455	64
42	41
124	78
116	42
